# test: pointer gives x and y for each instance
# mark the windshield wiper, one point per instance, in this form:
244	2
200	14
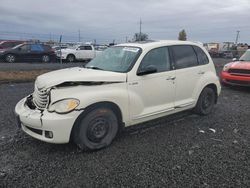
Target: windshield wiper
93	67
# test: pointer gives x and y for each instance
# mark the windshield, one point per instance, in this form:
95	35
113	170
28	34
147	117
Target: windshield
19	45
117	59
245	56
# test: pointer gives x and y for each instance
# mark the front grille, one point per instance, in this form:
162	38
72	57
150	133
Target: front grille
238	82
244	72
40	98
37	131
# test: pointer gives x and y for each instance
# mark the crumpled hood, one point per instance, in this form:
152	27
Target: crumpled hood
240	65
77	74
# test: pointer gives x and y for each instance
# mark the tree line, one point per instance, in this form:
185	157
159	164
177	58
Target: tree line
143	36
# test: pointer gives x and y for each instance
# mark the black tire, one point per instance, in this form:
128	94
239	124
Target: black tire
205	102
45	59
96	129
71	58
10	58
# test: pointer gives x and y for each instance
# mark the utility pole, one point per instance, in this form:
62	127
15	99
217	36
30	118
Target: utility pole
126	39
79	35
49	36
60	42
140	30
237	37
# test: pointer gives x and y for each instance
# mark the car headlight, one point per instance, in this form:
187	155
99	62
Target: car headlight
226	67
64	106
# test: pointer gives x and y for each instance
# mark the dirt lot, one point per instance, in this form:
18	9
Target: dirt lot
36	66
26	72
183	150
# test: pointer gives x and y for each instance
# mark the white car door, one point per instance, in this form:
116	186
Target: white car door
152	94
88	52
80	52
188	74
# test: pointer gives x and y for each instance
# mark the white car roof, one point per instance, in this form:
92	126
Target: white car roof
146	44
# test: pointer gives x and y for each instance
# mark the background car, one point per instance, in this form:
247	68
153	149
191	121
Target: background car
28	52
9	44
228	54
78	52
57	48
238	72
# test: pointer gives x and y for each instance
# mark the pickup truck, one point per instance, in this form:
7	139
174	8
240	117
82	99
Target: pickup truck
78	52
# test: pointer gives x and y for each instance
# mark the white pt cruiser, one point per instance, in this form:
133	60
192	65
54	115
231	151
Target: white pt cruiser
126	85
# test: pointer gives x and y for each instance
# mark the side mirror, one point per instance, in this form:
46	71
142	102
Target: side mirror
235	59
147	70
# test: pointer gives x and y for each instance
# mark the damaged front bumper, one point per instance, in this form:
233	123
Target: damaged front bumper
44	125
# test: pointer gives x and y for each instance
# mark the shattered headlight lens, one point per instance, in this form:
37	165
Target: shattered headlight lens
64	106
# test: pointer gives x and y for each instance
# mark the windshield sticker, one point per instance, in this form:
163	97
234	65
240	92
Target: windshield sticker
131	49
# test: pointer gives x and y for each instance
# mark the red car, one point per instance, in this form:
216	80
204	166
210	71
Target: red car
237	72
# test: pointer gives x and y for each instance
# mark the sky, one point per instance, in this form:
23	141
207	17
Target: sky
108	20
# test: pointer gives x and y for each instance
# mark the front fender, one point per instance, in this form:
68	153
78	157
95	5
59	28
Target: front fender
88	95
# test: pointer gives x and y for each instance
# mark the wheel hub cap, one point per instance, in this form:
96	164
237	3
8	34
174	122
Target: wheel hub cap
207	101
10	58
97	129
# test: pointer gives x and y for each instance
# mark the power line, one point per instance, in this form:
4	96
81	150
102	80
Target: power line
47	36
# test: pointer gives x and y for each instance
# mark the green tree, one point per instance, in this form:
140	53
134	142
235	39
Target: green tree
182	35
140	37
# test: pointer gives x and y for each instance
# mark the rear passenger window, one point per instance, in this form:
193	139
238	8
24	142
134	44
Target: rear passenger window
85	48
158	57
202	57
184	56
88	48
36	48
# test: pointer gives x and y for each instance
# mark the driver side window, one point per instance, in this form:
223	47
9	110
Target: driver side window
159	58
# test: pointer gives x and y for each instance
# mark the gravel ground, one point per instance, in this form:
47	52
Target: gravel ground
182	150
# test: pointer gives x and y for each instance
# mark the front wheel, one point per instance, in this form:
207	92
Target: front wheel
96	129
10	58
205	102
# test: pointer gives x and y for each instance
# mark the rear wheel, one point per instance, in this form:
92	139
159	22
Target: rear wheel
45	59
10	58
205	102
96	129
71	58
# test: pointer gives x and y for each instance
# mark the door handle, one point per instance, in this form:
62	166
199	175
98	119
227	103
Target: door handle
171	78
201	72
